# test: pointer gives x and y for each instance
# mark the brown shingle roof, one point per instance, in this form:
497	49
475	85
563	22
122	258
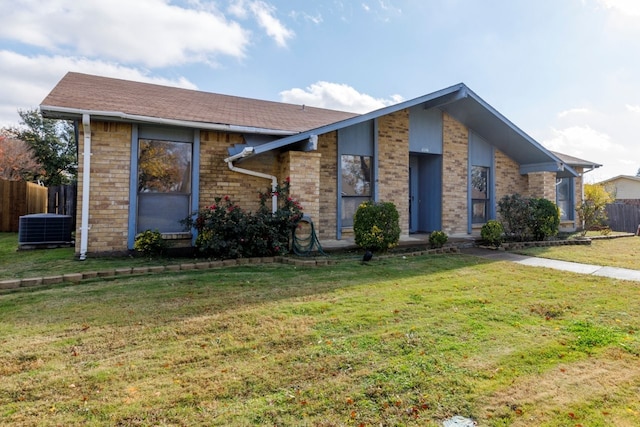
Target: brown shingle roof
575	161
82	92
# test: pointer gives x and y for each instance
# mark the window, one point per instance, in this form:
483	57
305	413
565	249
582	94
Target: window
164	185
479	194
356	185
564	198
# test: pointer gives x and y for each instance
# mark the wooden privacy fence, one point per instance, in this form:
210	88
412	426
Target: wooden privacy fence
62	201
19	198
623	217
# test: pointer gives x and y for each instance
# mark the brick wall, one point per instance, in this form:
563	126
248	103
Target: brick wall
109	191
217	180
507	177
393	163
303	170
328	149
454	180
542	185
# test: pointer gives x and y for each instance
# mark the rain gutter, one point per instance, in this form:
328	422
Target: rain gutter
246	152
97	114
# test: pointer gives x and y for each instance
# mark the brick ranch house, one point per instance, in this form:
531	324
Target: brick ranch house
444	159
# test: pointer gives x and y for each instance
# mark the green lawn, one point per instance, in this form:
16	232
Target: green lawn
623	252
397	342
50	262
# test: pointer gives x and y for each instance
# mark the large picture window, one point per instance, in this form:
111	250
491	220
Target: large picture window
164	184
479	194
356	185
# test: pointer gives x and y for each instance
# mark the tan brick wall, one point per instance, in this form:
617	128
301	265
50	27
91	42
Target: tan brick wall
455	160
508	179
393	163
217	180
542	185
328	149
109	190
303	170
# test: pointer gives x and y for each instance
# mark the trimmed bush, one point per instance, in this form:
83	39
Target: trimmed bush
524	218
376	226
150	243
438	238
515	212
545	219
492	232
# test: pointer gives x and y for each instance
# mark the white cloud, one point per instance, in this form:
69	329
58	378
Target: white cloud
336	96
28	79
152	33
590	144
264	14
573	111
315	19
579	140
625	7
633	108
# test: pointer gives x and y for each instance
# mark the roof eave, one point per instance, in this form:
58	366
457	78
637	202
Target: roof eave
441	97
562	169
65	113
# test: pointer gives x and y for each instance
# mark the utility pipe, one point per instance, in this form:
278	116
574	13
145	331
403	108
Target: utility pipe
86	183
274	180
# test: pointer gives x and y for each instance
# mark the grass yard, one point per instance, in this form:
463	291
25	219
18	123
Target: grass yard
50	262
623	252
398	342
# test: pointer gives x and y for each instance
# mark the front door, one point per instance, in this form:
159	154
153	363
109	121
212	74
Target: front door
425	193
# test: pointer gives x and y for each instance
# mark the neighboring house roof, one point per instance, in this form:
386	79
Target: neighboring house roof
110	98
624	187
113	99
576	162
620	178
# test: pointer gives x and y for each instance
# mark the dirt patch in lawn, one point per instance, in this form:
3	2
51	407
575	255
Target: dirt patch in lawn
532	400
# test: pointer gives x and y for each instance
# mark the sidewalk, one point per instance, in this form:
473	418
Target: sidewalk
574	267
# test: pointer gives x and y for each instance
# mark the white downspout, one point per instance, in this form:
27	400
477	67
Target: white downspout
86	182
274	180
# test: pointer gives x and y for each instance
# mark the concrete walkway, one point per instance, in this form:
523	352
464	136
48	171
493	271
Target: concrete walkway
574	267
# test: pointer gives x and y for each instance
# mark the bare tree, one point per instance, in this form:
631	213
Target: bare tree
17	160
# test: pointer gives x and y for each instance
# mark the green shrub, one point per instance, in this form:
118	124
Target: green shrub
150	243
515	212
376	226
437	239
524	218
492	232
227	231
545	219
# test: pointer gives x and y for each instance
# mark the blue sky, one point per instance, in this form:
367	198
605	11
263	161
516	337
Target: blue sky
567	72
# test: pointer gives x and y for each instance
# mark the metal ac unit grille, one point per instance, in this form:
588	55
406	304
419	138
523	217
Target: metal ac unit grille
38	229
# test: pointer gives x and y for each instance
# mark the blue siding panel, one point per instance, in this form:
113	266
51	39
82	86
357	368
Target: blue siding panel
425	130
356	139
